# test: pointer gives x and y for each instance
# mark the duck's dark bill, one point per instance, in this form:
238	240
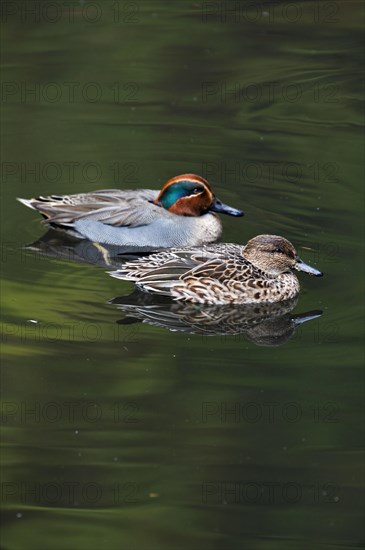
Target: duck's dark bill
301	266
220	207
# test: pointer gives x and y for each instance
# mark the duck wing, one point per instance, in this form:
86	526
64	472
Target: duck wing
222	269
110	206
162	271
163	266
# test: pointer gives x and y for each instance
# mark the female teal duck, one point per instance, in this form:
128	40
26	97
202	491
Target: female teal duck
261	271
181	214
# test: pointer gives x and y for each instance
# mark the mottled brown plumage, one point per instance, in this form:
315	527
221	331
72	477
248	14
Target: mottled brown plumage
261	271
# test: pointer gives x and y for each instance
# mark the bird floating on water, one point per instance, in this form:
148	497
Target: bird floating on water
182	213
262	271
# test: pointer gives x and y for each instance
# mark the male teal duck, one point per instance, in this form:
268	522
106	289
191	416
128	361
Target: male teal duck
261	271
181	214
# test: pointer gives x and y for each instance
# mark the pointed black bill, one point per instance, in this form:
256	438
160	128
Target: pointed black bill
221	208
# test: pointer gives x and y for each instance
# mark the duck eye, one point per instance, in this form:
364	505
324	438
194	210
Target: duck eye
196	190
277	250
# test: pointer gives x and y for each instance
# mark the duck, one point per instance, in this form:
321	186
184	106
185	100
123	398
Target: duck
262	271
182	214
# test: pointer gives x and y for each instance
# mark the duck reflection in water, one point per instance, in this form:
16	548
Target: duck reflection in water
62	246
270	324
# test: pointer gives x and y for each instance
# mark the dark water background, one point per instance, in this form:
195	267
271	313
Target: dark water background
132	436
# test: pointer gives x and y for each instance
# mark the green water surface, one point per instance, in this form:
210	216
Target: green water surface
131	436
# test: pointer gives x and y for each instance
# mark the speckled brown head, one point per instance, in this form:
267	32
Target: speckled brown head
191	195
275	255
